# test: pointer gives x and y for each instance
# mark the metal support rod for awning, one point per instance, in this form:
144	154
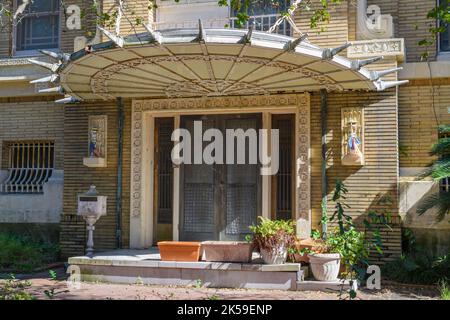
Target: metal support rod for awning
323	118
120	115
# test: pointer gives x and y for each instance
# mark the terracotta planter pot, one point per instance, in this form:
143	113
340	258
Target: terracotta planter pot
179	251
275	256
227	251
301	245
325	266
310	244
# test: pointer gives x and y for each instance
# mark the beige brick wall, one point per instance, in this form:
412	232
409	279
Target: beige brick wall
138	7
417	120
5	34
24	119
413	25
78	178
336	32
409	18
87	25
378	178
372	187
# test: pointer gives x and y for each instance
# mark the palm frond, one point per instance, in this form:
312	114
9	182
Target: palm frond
441	148
444	128
438	170
439	201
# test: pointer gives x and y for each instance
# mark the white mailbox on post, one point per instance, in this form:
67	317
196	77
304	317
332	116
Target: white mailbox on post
91	207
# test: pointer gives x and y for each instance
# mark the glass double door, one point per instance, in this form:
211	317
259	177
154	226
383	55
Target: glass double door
220	201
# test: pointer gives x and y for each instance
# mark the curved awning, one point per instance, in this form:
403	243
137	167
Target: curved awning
207	62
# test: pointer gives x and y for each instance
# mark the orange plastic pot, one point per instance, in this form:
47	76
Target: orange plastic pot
309	244
179	251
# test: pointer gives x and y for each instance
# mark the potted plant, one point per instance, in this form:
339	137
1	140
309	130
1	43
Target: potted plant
273	238
352	247
179	251
344	243
227	251
325	264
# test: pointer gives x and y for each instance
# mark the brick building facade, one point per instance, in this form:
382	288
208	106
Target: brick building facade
400	125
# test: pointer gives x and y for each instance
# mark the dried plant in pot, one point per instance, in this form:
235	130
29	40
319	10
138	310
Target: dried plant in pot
273	238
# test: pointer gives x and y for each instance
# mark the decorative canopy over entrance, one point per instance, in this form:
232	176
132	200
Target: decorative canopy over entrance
206	62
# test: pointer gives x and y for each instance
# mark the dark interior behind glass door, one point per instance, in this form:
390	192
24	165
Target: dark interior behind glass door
220	201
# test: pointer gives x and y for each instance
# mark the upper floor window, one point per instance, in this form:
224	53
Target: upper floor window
264	13
37	27
444	37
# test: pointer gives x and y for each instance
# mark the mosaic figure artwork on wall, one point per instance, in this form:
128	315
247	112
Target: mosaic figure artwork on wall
352	136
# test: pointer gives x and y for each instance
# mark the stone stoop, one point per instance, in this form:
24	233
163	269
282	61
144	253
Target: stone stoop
207	274
129	267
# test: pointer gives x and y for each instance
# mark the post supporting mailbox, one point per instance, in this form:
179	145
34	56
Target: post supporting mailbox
91	207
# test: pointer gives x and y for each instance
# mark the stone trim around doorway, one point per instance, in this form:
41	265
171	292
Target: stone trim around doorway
143	113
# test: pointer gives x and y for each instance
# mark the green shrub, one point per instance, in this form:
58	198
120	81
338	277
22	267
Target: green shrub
21	254
418	268
351	245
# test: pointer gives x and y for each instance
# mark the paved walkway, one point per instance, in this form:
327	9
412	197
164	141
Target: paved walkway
92	291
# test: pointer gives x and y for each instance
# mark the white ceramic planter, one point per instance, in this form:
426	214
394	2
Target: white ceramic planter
325	266
275	256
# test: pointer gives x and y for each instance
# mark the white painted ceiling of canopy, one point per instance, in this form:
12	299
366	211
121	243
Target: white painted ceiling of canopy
221	63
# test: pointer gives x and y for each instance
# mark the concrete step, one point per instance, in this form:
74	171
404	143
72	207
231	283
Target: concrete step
327	286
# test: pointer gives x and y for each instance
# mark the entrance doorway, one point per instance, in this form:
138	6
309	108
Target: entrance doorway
220	201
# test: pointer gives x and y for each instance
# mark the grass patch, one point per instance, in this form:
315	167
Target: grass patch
13	289
444	290
21	254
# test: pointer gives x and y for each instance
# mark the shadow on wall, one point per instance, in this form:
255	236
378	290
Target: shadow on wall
430	234
382	214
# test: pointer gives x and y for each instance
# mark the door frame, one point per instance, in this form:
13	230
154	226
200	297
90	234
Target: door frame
142	139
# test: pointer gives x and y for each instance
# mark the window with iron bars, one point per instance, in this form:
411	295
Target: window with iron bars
31	164
445	183
38	26
264	14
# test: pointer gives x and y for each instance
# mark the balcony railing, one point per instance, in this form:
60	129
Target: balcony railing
262	23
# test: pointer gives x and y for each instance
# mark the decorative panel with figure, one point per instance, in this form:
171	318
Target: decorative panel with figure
352	127
97	137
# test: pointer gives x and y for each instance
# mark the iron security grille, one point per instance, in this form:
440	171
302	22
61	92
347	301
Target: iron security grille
284	175
30	166
165	170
